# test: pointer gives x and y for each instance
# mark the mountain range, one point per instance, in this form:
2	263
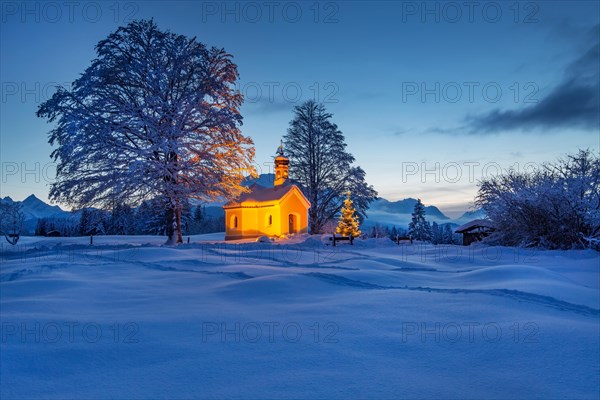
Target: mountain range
405	206
382	211
386	212
34	209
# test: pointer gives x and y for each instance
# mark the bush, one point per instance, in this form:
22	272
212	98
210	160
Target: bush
555	206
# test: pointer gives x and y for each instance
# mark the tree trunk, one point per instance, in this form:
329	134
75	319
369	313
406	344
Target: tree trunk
174	218
174	235
178	225
170	226
313	223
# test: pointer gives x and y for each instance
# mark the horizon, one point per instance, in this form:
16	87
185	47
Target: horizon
418	130
454	217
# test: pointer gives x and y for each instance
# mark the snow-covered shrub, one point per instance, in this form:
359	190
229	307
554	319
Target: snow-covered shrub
555	206
11	221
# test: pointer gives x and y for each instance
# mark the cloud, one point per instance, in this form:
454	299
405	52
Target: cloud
446	131
574	103
399	131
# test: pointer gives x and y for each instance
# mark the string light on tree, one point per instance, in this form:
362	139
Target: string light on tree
348	224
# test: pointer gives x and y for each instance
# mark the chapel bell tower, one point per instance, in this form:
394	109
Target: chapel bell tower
281	166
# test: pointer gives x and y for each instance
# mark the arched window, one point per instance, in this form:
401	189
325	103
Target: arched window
234	222
270	220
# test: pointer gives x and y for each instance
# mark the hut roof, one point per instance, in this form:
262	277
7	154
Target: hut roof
475	224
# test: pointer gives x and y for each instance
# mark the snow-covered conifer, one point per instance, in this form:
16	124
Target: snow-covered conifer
419	228
322	166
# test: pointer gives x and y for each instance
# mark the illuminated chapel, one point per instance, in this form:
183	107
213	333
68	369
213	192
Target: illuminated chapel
268	211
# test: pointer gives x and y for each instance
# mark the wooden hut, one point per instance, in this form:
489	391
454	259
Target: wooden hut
474	231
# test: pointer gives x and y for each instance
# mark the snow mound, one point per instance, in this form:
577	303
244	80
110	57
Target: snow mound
274	288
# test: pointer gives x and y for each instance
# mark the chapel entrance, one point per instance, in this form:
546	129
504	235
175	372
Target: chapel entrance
292	223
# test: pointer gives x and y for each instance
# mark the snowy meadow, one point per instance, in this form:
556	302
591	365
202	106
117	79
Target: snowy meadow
300	200
128	317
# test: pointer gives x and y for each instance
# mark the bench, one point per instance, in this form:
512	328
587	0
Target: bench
399	239
338	238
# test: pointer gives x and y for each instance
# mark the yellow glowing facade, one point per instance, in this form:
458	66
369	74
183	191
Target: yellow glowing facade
276	211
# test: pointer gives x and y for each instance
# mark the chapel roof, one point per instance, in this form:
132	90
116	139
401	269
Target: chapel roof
262	194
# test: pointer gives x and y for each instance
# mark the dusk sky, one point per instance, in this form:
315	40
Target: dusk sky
431	96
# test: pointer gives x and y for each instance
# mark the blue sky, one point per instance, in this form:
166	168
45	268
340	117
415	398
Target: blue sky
430	95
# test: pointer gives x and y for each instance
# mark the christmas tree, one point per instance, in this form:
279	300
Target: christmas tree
348	224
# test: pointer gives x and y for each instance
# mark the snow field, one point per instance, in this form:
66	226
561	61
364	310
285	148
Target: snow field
131	318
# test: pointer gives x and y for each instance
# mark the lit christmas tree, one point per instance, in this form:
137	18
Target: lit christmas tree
348	224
